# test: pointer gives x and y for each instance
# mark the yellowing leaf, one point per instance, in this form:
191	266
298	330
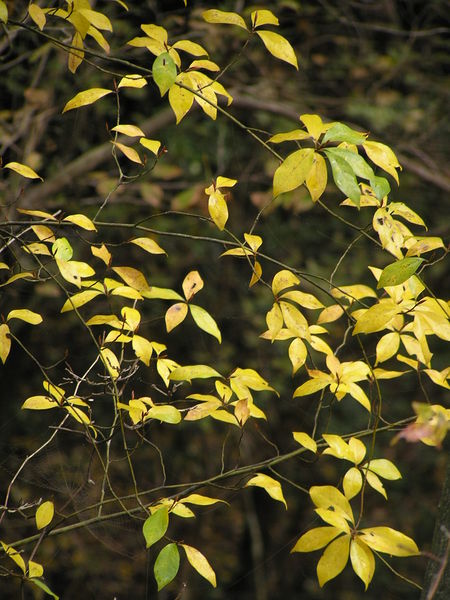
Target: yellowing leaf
82	221
102	253
316	179
399	272
129	152
389	541
148	245
36	213
44	514
73	270
330	498
161	294
190	47
306	441
152	145
376	318
387	346
34	570
384	468
130	130
205	321
383	157
98	19
304	300
13	553
142	348
25	315
38	15
132	277
278	46
111	362
175	315
293	171
181	99
200	564
39	403
200	500
193	372
282	280
297	354
3	19
363	561
23	170
225	18
294	134
316	538
5	342
165	413
333	560
218	209
76	54
263	17
192	284
87	97
352	483
272	486
294	320
132	80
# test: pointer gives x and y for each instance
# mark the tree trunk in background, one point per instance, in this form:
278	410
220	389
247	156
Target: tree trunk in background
437	576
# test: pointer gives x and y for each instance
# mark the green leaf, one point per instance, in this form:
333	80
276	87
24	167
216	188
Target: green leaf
166	565
357	163
380	186
62	249
342	133
293	171
205	321
156	526
399	271
40	584
344	177
164	72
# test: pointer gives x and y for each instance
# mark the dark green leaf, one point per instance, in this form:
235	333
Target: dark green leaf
166	565
344	177
341	133
164	72
156	526
398	272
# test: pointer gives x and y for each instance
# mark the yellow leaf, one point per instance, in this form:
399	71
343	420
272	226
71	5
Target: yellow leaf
200	500
294	134
312	385
316	538
254	241
274	320
294	320
102	253
189	372
424	244
257	273
306	441
148	245
3	19
225	182
387	346
335	519
75	57
44	514
97	19
181	99
23	170
36	213
131	318
165	413
152	145
161	294
37	15
352	483
279	47
282	280
133	80
25	315
333	560
132	277
82	221
34	569
204	320
218	209
200	564
208	65
130	130
87	97
99	38
313	124
110	361
297	354
175	315
263	17
251	379
39	403
376	318
330	498
363	561
192	284
383	157
272	486
73	270
330	314
375	482
384	468
338	447
241	411
225	18
293	171
304	300
5	342
190	47
316	179
10	551
389	541
130	153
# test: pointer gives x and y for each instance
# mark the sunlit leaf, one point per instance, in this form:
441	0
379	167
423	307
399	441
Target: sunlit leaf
164	71
352	483
130	130
192	284
82	221
24	314
363	561
383	157
205	321
44	514
87	97
39	403
262	17
226	18
148	245
23	170
129	152
278	46
316	179
152	145
293	171
175	315
305	440
316	538
200	564
333	560
272	486
111	362
343	133
390	541
5	342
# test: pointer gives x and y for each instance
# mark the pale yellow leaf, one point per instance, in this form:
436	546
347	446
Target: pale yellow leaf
226	18
25	315
389	541
384	468
102	253
130	130
200	564
82	221
293	171
87	97
316	179
149	245
129	152
218	209
377	317
190	47
39	403
383	157
111	362
37	15
132	277
192	284
330	498
189	372
262	17
274	320
200	500
352	483
297	354
97	19
3	19
278	46
330	314
181	99
272	486
152	145
282	280
23	170
44	514
73	270
9	550
205	321
133	81
294	320
34	569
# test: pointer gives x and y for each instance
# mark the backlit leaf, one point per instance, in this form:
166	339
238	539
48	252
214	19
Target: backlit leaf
399	271
262	17
282	280
205	321
293	171
192	284
129	152
294	320
111	362
384	468
297	354
272	486
23	170
330	498
152	145
376	318
181	99
333	560
387	346
62	249
352	483
74	271
39	403
164	71
217	208
82	221
155	526
313	124
166	565
15	556
3	12
165	413
200	564
44	514
87	97
41	585
132	80
142	348
132	277
190	47
278	46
